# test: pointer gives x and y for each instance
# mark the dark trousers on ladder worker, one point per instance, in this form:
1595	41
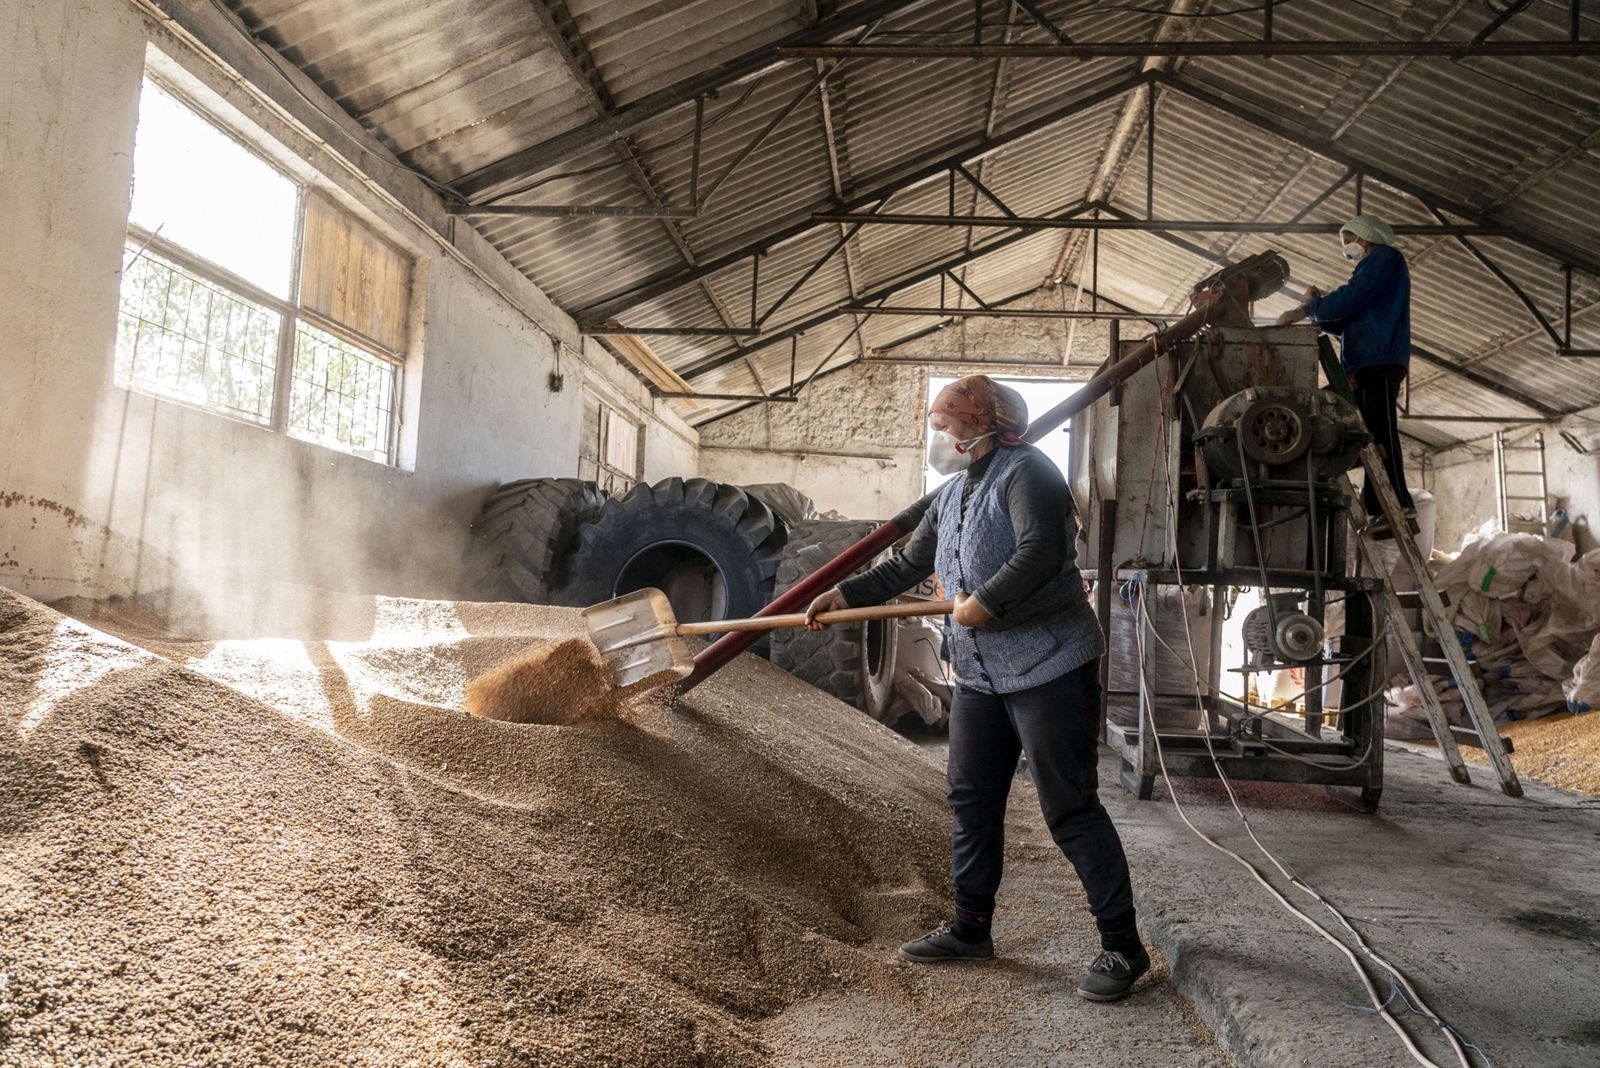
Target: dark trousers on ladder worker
1057	725
1377	392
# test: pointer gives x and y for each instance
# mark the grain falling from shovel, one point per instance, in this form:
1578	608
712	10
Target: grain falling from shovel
564	685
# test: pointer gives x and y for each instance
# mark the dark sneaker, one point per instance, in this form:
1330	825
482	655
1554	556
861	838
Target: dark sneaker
941	944
1112	975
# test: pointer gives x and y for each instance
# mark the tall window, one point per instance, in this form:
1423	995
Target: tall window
611	450
249	294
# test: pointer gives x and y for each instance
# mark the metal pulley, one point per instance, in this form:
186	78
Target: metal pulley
1274	430
1281	633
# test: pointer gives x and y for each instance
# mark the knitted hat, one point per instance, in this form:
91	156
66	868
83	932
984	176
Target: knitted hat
1371	228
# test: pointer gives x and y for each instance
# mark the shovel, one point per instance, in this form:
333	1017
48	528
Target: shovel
638	636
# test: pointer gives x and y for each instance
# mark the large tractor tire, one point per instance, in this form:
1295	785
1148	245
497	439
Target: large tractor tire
524	535
713	549
789	504
852	661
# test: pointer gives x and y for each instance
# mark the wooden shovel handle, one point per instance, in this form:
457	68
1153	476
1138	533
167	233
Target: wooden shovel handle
843	615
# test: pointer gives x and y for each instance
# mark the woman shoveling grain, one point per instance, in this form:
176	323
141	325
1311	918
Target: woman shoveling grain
1026	648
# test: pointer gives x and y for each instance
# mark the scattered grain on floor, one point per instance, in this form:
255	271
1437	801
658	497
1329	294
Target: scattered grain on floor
1562	750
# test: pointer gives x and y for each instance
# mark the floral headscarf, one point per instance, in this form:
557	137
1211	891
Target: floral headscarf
987	405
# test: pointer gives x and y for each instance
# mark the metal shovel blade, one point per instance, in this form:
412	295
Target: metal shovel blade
637	636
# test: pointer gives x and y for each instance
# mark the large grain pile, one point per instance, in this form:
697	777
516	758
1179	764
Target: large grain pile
300	850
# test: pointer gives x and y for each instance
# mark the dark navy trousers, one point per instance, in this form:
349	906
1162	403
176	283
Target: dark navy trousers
1057	725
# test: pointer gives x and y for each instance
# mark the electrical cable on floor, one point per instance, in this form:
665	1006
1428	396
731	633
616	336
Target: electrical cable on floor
1414	1001
1379	1005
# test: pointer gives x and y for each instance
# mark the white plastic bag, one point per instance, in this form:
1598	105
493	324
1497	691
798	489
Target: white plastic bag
1583	689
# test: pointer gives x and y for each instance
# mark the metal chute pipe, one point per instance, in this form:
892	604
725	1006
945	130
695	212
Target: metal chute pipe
1226	294
725	648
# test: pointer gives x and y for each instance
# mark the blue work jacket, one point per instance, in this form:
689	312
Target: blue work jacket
1371	313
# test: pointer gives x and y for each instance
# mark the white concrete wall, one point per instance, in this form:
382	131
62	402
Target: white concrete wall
1038	345
1462	479
855	441
104	491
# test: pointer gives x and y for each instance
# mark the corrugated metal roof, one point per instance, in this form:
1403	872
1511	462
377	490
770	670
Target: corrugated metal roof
457	85
644	45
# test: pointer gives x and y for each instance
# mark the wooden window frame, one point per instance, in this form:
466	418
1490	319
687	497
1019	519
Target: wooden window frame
292	312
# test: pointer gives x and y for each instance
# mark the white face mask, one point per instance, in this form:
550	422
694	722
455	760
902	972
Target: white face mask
1353	251
947	454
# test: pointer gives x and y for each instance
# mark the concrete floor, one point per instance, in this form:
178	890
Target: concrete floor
1490	905
1018	1010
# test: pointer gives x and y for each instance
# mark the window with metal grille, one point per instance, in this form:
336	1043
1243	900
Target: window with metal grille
611	449
183	337
342	396
247	293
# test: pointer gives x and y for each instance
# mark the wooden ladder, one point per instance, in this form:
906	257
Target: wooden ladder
1507	490
1434	611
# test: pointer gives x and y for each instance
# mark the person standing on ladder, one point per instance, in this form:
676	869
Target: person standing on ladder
1026	648
1371	317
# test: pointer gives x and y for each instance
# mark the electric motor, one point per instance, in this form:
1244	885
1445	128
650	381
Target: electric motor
1281	633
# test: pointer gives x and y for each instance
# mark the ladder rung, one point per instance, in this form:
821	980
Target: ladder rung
1519	471
1520	448
1523	497
1413	599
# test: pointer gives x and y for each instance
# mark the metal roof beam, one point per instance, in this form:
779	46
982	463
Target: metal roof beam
996	312
882	293
1278	47
1268	123
1450	366
931	165
1482	381
836	179
1207	226
629	118
1042	365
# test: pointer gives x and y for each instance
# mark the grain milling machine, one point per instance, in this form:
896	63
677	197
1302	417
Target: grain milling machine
1214	480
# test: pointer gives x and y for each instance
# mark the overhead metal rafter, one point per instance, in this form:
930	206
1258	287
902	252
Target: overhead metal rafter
1455	365
622	121
823	371
1467	374
998	89
1510	343
994	311
1219	226
1137	111
846	219
833	157
1002	307
882	293
1555	249
1127	221
558	26
1277	47
930	165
